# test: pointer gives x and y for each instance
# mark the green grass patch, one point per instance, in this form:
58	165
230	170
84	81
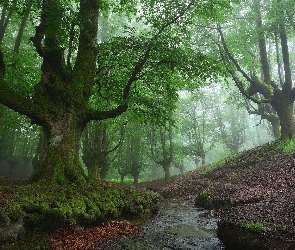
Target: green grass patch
254	226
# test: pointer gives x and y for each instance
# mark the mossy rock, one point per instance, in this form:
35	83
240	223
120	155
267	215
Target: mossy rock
251	237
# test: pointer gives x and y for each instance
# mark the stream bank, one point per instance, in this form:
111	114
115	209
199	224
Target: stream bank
178	225
253	194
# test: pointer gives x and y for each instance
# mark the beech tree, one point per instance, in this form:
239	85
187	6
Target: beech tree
267	82
61	102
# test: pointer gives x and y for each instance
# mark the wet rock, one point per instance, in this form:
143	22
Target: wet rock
10	231
236	237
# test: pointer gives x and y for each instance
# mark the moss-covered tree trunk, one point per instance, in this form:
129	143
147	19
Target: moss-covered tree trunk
60	161
282	100
60	100
283	104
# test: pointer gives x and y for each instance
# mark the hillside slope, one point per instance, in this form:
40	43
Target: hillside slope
252	193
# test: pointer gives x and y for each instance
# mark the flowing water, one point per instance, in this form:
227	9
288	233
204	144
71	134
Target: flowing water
176	226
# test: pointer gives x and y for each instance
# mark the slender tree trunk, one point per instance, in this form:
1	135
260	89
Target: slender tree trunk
167	172
275	126
197	161
103	165
167	154
122	177
22	26
203	160
135	157
6	18
38	153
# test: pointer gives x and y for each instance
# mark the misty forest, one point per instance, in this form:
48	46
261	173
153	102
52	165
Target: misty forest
116	115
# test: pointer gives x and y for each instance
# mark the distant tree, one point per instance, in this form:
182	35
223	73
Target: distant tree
161	145
98	143
232	125
197	123
131	156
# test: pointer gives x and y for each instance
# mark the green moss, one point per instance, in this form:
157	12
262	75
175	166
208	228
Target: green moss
48	207
202	199
30	240
205	195
254	226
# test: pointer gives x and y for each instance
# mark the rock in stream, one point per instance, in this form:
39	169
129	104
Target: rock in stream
178	225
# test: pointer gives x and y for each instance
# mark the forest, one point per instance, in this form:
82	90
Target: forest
99	98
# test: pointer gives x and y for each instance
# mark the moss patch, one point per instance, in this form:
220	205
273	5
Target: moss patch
46	208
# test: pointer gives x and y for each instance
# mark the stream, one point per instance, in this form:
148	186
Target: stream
177	225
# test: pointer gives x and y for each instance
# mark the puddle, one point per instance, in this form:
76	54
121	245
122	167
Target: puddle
192	231
176	226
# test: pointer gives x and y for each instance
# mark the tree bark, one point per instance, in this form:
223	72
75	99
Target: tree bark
60	162
63	95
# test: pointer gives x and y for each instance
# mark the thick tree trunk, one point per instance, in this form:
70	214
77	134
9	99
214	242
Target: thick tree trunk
285	110
60	162
60	102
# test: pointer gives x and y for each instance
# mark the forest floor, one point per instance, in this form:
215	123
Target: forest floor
254	189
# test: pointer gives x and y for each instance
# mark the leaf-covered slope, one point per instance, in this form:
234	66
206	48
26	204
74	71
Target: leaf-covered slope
253	190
